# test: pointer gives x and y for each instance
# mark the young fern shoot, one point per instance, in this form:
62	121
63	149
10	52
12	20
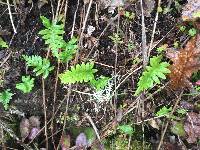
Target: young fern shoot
152	74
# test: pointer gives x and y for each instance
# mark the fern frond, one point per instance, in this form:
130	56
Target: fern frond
100	83
79	73
68	50
41	65
53	35
5	98
26	85
151	75
3	44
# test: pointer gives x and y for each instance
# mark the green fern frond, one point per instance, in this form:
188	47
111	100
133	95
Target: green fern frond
26	85
53	35
69	50
100	83
5	98
41	65
151	75
3	44
79	73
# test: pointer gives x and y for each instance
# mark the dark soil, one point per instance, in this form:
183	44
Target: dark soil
27	42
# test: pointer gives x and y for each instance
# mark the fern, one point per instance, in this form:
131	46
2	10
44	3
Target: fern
41	65
5	98
156	70
79	73
27	84
100	83
164	111
3	44
53	35
69	50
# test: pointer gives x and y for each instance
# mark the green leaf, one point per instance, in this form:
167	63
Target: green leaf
3	44
45	21
164	111
26	85
79	73
53	35
126	129
151	75
182	111
192	32
90	134
41	65
68	50
100	83
178	129
5	98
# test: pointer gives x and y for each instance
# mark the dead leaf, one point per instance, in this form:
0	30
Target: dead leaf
153	123
34	122
192	127
24	128
185	63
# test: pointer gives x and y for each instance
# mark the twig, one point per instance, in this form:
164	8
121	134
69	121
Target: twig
5	60
74	21
11	18
85	21
144	42
102	33
52	9
154	29
115	70
93	125
45	112
167	124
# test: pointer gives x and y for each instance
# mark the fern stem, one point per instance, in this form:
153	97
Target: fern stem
54	100
45	112
44	105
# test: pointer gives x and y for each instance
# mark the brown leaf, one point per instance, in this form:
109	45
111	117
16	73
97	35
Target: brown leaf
185	63
193	118
186	105
24	128
34	122
192	127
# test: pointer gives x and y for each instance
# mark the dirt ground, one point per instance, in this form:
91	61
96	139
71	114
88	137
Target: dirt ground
64	113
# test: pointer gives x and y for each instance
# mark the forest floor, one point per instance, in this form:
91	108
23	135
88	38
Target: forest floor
121	39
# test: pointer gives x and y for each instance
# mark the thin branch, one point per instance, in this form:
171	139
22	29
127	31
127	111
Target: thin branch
85	21
144	42
167	124
154	29
11	18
